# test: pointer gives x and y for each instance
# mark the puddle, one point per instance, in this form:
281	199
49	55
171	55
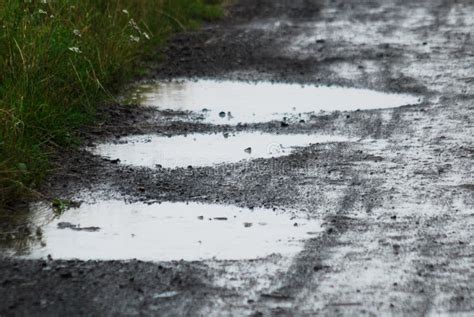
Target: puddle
232	102
206	149
167	231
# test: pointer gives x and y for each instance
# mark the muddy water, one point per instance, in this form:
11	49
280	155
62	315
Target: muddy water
232	102
206	149
115	230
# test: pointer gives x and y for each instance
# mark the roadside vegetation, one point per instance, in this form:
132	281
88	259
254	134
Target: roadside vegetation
59	59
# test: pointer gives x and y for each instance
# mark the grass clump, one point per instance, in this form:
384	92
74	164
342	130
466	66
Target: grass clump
59	59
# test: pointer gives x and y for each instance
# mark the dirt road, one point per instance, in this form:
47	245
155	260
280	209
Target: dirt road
396	204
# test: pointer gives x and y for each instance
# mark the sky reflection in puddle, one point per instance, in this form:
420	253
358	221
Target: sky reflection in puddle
206	149
168	231
232	102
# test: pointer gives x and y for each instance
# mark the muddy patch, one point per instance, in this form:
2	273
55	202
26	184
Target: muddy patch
233	102
205	149
115	230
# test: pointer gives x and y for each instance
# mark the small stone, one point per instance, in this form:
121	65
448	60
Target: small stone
396	248
66	275
66	225
222	114
318	267
248	150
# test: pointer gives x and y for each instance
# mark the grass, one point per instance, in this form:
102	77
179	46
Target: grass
59	59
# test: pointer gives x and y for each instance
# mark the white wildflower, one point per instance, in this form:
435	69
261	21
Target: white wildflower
75	49
125	11
146	35
41	11
77	32
134	38
134	25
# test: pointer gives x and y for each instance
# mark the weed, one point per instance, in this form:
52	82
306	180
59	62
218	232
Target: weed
61	205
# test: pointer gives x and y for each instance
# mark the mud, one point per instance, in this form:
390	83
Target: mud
396	206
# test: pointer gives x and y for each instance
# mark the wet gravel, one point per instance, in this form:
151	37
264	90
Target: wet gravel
397	206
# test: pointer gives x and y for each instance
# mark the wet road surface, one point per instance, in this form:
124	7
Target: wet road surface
392	201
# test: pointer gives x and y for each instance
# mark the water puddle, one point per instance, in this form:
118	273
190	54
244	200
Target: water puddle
115	230
206	149
232	102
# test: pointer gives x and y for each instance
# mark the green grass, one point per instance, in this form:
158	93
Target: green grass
59	59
